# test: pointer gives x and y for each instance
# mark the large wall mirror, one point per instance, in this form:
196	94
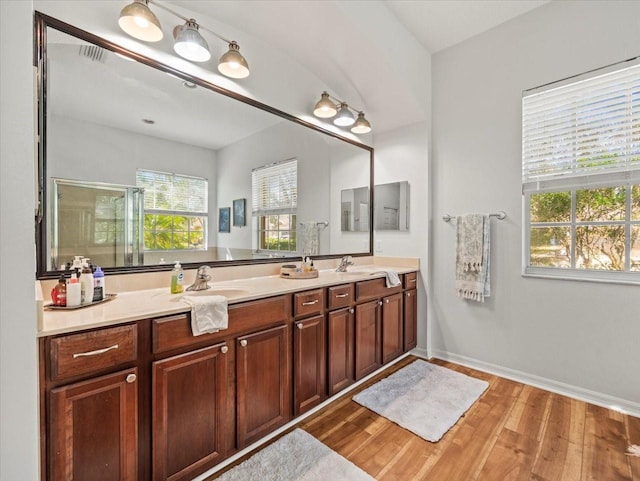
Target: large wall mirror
141	165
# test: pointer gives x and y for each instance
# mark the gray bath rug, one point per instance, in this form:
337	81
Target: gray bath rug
297	456
424	398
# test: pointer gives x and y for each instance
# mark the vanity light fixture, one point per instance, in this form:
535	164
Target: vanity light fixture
329	107
137	20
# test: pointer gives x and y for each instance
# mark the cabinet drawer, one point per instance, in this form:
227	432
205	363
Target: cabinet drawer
411	280
374	288
339	296
174	332
308	302
89	352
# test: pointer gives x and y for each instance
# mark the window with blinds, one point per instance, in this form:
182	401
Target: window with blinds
274	202
581	176
175	210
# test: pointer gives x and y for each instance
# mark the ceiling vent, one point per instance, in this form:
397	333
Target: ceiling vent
92	52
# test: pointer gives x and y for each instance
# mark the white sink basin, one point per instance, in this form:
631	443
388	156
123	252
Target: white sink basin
229	292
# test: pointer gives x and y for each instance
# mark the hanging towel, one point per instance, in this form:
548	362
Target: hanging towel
310	236
392	278
208	313
472	257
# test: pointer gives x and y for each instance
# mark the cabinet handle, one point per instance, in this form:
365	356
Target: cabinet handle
341	296
310	303
94	353
243	343
224	349
413	280
300	326
131	378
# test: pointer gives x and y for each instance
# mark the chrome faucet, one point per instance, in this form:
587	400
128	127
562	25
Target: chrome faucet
344	263
202	278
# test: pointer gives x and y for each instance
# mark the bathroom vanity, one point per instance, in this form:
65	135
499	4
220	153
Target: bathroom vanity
126	389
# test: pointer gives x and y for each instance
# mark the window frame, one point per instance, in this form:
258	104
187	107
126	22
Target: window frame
262	212
570	181
173	213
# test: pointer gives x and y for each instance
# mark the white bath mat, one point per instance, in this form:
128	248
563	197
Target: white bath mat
424	398
297	456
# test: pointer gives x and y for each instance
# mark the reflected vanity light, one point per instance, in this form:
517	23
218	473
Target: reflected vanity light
329	107
137	20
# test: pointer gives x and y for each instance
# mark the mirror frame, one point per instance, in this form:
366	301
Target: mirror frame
41	22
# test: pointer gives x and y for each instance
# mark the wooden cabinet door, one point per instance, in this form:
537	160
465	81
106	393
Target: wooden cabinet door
367	338
309	364
340	339
392	323
94	429
189	411
263	383
410	320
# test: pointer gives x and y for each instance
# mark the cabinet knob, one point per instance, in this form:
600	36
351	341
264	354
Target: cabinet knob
379	303
386	301
243	343
299	325
408	294
131	378
224	349
351	311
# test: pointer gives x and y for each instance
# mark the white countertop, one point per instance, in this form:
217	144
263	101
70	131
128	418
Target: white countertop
147	303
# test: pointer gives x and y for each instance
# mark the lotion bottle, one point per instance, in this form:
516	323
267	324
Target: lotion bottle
74	294
177	276
86	283
98	285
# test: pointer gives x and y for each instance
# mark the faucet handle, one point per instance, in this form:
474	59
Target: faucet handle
202	272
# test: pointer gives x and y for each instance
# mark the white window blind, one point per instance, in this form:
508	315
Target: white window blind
275	188
590	127
173	193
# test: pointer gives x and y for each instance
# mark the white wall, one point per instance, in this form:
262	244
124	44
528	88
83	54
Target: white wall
18	369
401	155
575	336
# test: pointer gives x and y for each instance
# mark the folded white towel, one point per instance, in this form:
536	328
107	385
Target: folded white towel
208	313
392	278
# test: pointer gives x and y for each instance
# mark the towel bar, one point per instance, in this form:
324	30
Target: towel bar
500	215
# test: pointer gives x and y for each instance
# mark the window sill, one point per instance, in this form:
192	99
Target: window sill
607	277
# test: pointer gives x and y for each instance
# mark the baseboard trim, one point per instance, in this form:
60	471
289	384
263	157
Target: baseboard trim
586	395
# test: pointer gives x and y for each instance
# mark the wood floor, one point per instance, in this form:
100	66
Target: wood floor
513	432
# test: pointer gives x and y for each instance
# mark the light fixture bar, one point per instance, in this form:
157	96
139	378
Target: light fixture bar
330	107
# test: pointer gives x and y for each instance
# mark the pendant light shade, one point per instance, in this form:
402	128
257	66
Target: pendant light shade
189	43
325	108
138	21
345	117
362	125
232	63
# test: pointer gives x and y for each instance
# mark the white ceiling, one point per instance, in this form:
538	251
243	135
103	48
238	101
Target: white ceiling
439	24
367	50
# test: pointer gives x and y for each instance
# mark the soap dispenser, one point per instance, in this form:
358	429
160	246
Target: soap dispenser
177	276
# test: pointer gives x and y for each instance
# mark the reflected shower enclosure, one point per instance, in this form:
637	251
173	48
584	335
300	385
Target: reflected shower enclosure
96	220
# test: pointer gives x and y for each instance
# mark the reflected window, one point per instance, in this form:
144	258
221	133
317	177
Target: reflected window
175	210
274	204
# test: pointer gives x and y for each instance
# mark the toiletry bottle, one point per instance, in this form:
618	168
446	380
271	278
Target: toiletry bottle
86	282
177	276
98	285
73	291
59	293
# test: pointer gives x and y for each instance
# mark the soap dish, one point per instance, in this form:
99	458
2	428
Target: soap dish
290	271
